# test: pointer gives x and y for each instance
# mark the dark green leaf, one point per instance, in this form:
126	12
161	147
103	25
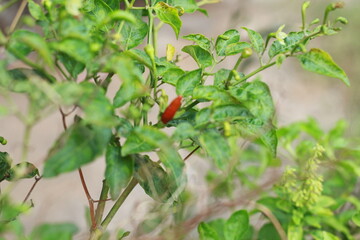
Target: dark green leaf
184	131
200	40
319	61
230	112
22	170
186	84
256	40
227	38
5	165
267	232
201	56
237	225
152	178
169	15
217	147
206	232
78	145
101	10
236	48
63	231
72	66
144	139
118	170
124	127
291	41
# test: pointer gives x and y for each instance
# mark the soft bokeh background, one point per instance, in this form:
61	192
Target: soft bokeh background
297	95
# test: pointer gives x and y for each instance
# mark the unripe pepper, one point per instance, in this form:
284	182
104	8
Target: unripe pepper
170	111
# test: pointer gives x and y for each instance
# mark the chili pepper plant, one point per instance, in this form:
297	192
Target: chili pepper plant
66	57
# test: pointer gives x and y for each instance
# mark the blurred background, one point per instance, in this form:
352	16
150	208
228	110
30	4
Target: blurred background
297	94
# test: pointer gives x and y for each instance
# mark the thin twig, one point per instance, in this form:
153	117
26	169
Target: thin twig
90	200
37	179
191	153
273	220
17	16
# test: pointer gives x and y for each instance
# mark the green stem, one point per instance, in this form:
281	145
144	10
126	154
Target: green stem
236	66
102	201
255	72
26	141
119	202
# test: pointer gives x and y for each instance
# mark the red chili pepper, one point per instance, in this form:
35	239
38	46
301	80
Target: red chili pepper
170	111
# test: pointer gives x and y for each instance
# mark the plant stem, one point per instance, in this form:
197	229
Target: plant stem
17	16
273	220
133	182
37	179
7	5
236	66
255	72
26	141
90	200
101	205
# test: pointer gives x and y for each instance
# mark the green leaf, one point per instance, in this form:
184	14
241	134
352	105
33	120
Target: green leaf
120	15
186	84
118	170
212	93
76	48
169	15
201	56
184	131
124	127
256	40
152	178
206	232
200	40
237	225
172	75
217	147
22	170
323	235
257	98
5	165
63	231
144	139
290	42
295	232
78	145
72	66
356	218
319	61
189	6
36	11
133	34
227	38
22	42
236	48
267	232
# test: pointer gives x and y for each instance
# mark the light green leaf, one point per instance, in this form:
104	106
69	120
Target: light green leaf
169	15
237	225
200	40
356	218
172	75
76	48
120	15
36	11
217	147
323	235
118	170
256	40
236	48
144	139
184	131
63	231
189	6
22	170
186	84
295	232
290	42
227	38
212	93
319	61
78	145
201	56
206	232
